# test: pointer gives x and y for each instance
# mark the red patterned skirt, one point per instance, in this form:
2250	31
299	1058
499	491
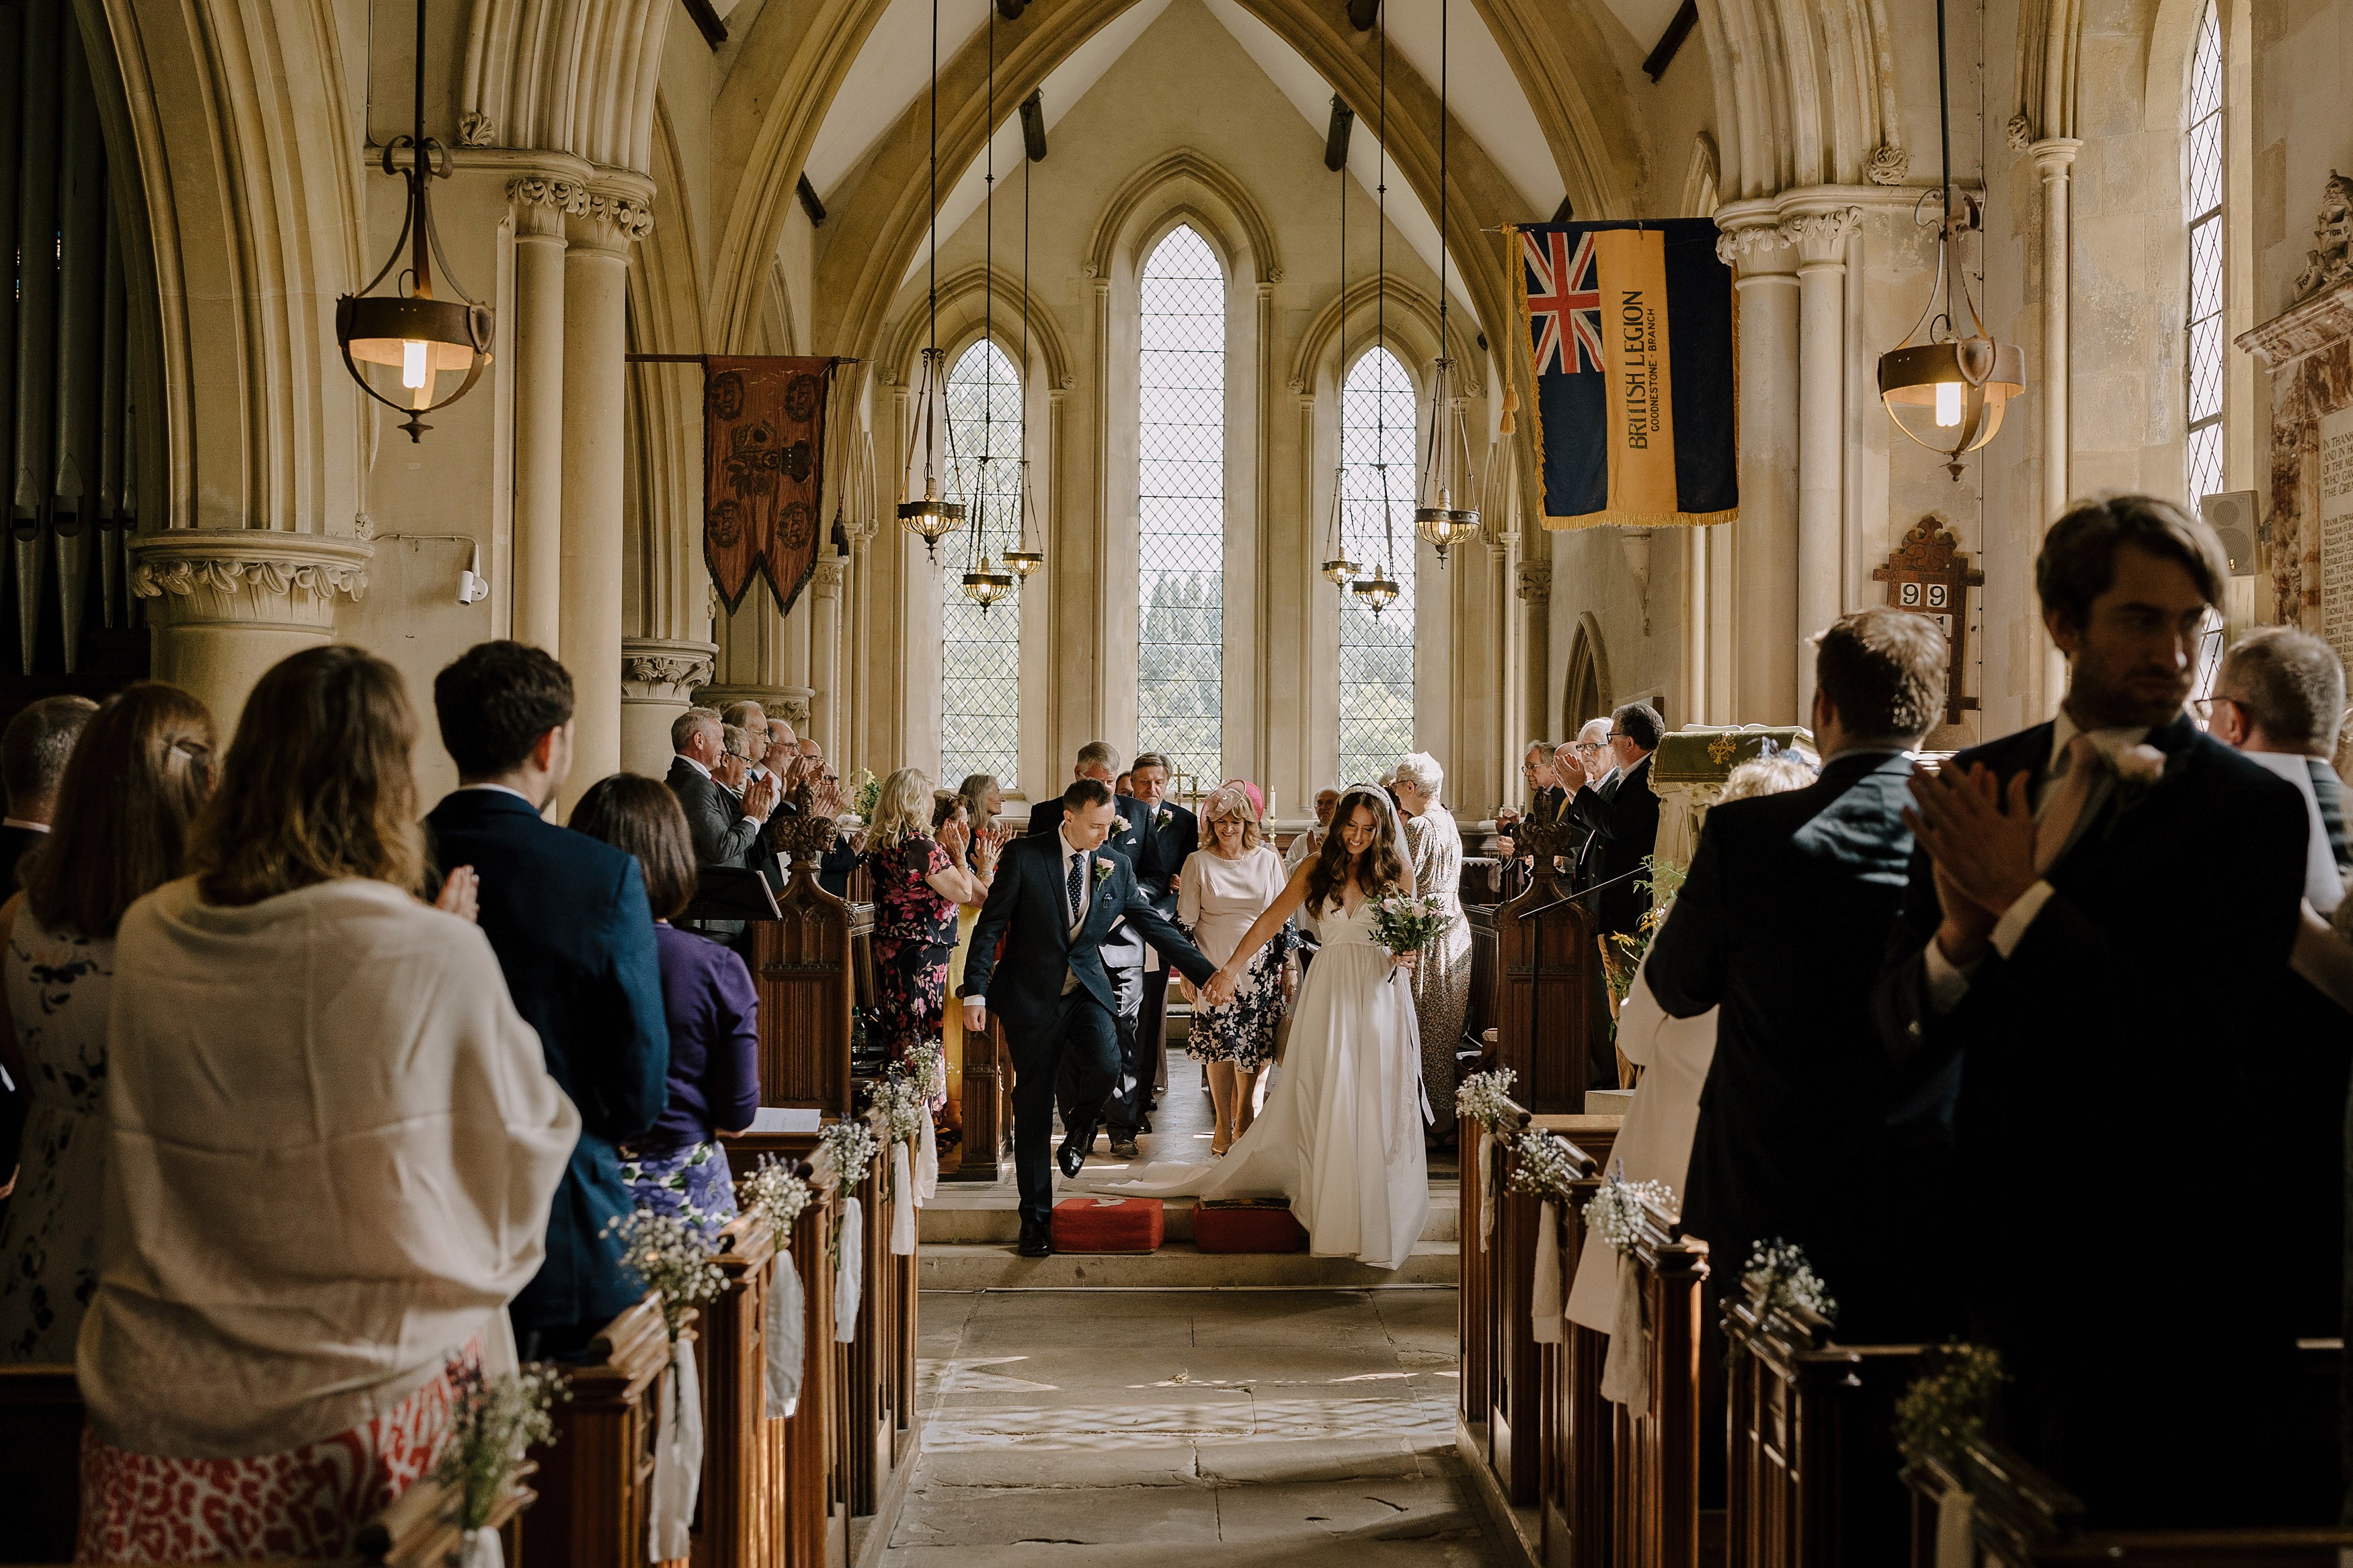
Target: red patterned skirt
308	1502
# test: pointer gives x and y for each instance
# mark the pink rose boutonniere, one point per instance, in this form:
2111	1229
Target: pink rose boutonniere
1102	872
2139	769
1163	818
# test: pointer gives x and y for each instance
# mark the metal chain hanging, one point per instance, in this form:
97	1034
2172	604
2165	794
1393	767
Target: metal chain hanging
1380	590
931	516
984	584
1446	515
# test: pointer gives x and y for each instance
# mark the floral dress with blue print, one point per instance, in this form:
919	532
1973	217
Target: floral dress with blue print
58	989
692	1184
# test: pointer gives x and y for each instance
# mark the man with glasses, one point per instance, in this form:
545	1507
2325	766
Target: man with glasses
1611	796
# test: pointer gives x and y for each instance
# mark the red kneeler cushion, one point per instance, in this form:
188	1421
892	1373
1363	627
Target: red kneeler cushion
1108	1225
1245	1225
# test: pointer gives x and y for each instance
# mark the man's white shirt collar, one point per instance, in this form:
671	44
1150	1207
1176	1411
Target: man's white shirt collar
690	762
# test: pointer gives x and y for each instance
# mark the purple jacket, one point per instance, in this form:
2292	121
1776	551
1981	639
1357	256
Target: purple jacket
714	1041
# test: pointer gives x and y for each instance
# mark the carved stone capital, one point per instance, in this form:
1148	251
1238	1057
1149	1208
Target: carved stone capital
1752	239
1889	165
260	577
790	703
825	576
475	129
618	215
655	669
2055	156
1535	581
548	190
1820	237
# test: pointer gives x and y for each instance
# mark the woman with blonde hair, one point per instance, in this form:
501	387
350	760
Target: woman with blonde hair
984	801
919	880
133	784
1225	885
331	1145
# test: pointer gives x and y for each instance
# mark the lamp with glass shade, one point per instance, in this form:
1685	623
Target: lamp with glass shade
935	514
1444	512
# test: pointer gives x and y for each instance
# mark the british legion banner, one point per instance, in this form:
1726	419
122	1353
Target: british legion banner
763	454
1630	333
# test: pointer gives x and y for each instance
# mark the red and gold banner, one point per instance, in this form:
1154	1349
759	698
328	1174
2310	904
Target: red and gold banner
762	457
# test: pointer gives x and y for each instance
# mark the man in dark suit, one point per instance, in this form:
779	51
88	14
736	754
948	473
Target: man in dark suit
1622	820
1057	896
1164	836
2091	903
725	826
567	917
1780	926
33	753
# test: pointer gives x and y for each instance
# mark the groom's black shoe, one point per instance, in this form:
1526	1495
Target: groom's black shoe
1073	1156
1035	1241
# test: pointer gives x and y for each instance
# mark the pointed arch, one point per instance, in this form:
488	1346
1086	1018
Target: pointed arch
961	298
1411	312
1228	214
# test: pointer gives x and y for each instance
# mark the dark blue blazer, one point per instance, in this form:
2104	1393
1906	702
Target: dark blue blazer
1026	905
567	917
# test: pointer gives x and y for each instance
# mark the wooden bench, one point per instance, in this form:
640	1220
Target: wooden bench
1655	1516
1813	1478
596	1480
1578	1466
1546	971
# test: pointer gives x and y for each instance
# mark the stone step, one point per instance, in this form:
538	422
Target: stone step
1177	1266
988	1215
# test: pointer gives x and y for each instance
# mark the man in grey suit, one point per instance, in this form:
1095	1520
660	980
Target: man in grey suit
726	829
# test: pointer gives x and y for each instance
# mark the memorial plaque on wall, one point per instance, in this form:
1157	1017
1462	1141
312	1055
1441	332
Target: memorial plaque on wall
2336	464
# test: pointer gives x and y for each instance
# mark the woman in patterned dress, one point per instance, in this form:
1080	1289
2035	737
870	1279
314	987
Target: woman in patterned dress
677	1166
1441	981
919	880
983	799
137	776
1224	886
331	1145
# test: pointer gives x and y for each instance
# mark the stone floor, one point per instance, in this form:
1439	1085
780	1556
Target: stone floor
1228	1427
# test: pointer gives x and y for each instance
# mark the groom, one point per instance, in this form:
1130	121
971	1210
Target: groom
1058	895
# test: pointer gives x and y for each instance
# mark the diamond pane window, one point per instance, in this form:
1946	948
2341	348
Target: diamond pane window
1180	507
980	671
2204	152
1376	457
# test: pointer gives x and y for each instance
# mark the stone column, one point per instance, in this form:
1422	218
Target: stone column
1536	587
541	204
825	654
229	602
658	678
2053	157
1821	240
1766	538
595	337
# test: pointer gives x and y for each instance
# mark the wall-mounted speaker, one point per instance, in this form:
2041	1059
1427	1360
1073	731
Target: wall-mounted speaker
1363	13
2236	518
1335	136
1033	126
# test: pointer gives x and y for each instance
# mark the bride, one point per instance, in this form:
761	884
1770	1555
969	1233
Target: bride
1341	1132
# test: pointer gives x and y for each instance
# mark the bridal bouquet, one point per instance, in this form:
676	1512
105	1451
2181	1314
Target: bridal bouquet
1405	923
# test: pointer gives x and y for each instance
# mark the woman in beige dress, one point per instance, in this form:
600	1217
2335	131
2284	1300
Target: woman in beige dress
1441	981
1224	886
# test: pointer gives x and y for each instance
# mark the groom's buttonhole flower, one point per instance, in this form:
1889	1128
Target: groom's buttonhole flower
1164	817
2142	765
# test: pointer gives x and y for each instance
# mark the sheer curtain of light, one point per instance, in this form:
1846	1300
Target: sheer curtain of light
1376	457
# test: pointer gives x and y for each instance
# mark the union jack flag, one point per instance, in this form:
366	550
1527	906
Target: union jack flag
1564	302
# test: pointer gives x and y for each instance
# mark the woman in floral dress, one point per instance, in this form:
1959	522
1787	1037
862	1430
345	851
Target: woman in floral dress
919	880
983	799
142	768
1441	980
1224	886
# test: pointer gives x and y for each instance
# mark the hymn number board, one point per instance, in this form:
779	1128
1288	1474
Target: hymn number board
1928	573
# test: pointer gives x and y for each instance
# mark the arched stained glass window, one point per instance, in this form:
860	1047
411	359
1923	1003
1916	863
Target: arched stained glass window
980	672
1377	456
2203	157
1180	507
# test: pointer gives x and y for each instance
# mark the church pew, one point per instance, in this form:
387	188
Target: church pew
804	972
1812	1478
1655	1516
1484	970
986	1099
1576	1464
733	1527
880	1361
1516	1371
596	1480
1545	1003
41	1454
808	1495
1475	1327
419	1528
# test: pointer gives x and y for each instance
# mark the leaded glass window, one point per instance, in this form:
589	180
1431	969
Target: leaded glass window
2204	154
1180	508
1376	455
980	671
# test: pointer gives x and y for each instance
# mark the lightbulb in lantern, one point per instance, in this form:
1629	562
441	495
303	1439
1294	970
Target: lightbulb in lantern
416	360
1948	405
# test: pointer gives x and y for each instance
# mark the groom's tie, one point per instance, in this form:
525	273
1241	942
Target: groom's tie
2064	807
1077	886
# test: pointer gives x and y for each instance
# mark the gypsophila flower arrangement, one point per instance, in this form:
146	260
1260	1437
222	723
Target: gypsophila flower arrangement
1406	922
899	1109
492	1422
1486	1097
928	1071
775	1193
672	1260
865	794
853	1145
1665	880
1778	1277
1542	1164
1947	1409
1615	1212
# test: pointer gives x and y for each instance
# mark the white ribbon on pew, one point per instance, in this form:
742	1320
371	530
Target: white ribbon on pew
903	1200
1487	1183
1544	1298
481	1550
927	1164
1626	1374
678	1460
851	1274
1956	1542
787	1338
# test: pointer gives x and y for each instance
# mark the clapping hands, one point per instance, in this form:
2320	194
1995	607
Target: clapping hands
954	838
760	798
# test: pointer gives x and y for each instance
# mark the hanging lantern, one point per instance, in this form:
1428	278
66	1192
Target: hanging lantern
1022	560
1378	592
1946	389
985	584
1444	512
929	515
412	333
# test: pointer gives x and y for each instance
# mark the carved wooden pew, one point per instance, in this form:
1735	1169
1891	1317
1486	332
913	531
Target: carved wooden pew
1813	1478
596	1481
1655	1493
1546	971
1516	1403
1475	1326
1580	1426
804	972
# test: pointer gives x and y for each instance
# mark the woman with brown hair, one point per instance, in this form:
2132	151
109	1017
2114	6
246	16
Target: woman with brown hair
332	1142
137	776
677	1166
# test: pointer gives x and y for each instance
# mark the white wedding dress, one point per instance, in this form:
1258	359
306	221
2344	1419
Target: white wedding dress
1341	1135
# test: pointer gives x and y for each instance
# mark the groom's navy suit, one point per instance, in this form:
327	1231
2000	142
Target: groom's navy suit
2123	1271
1053	992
